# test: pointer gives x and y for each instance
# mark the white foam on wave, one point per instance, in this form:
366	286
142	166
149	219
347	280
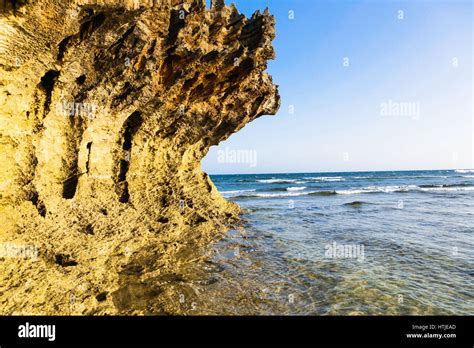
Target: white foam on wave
236	192
419	177
273	181
288	194
295	188
464	171
374	189
391	189
294	191
469	188
327	178
401	177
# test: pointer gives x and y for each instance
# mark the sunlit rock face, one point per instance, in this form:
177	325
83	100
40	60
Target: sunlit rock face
107	108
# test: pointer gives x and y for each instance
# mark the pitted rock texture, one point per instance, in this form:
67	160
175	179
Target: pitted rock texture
107	108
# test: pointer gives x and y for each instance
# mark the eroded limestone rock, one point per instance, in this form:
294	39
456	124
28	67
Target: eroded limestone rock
107	108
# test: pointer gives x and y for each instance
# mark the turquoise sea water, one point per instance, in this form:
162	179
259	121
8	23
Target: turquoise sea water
346	243
373	243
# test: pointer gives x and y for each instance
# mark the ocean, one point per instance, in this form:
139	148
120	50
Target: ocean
361	243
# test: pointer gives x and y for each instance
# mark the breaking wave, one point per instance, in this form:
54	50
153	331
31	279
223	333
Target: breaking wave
290	191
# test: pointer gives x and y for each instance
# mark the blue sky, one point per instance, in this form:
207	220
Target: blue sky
345	67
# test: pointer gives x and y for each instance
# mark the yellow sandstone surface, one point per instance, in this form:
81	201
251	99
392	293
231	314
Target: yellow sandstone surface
106	109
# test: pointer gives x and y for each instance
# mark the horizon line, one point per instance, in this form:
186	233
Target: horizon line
344	172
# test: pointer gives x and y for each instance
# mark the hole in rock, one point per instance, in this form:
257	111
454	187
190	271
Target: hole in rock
34	198
130	127
81	79
124	195
47	85
102	296
89	145
69	187
89	229
64	260
123	170
163	220
198	219
62	47
177	23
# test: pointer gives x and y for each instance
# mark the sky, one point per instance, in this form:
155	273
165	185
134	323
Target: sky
365	85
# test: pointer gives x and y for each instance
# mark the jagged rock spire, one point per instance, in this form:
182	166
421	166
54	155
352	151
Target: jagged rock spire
217	5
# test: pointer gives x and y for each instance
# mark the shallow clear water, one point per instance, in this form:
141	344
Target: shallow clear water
407	242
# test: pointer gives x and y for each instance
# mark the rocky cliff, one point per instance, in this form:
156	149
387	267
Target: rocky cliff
107	108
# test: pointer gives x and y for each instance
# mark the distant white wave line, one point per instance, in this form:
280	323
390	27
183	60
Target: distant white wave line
295	188
340	178
425	176
236	192
272	195
464	170
401	177
328	178
390	189
468	176
469	188
272	181
370	189
289	194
